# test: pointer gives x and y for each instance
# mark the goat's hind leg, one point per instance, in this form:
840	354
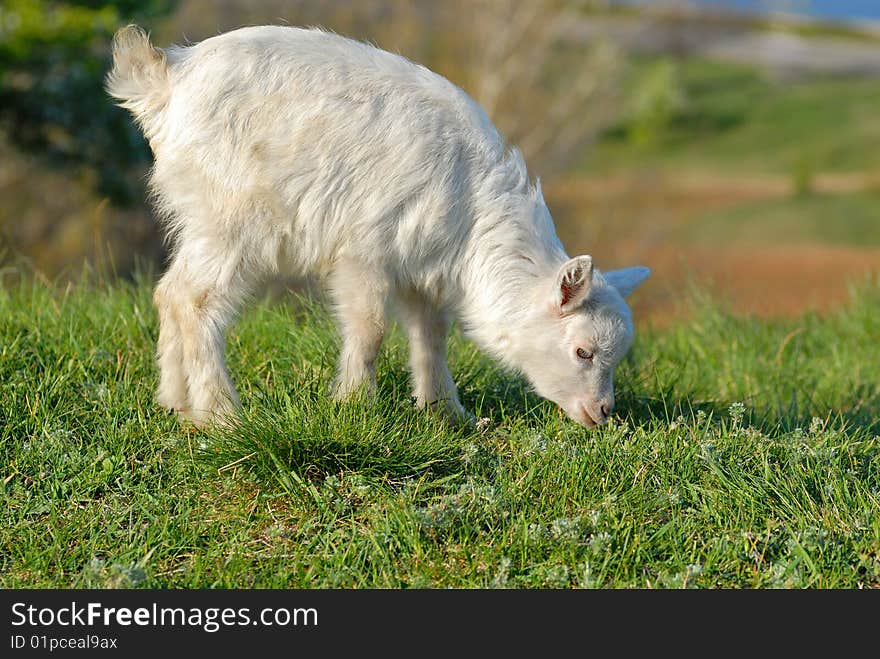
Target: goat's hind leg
201	305
173	391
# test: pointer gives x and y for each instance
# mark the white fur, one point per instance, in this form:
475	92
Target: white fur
284	151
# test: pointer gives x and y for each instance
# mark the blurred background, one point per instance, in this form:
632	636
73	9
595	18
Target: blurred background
732	144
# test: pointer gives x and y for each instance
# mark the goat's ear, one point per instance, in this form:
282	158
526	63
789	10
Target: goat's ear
626	280
573	283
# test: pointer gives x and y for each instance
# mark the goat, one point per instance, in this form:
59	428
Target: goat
281	151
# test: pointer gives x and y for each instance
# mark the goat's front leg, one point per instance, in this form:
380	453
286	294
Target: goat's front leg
359	296
427	328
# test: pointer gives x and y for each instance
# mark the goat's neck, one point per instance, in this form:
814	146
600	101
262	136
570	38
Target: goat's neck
509	279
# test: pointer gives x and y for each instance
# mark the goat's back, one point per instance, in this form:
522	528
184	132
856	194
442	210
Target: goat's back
299	135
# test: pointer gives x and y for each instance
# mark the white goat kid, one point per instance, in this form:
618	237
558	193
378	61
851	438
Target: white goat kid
286	151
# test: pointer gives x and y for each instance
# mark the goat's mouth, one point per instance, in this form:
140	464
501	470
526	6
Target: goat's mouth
580	415
590	421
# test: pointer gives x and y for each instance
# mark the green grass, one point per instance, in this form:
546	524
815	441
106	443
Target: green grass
732	119
745	454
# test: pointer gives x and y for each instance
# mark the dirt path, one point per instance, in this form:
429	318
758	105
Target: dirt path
782	281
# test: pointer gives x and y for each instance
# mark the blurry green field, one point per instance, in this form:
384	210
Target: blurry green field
845	219
732	119
745	454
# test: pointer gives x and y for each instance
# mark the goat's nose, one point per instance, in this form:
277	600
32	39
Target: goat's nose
607	409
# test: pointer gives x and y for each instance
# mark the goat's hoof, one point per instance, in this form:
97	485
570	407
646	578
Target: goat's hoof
223	417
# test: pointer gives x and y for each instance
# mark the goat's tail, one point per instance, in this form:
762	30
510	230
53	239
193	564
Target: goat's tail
139	77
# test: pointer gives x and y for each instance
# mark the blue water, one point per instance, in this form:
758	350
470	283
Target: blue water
849	10
837	10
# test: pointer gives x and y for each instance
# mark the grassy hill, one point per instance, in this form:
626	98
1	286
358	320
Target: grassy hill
745	453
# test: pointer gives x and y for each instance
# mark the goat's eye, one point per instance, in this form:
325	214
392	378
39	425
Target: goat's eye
584	355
